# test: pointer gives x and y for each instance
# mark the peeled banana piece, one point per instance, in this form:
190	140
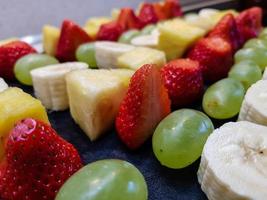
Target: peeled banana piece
151	40
254	106
3	84
50	86
107	53
234	162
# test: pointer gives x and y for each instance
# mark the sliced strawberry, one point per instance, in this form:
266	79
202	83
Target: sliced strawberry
128	20
37	163
183	80
160	11
144	106
249	23
110	31
71	37
147	14
214	55
227	29
9	54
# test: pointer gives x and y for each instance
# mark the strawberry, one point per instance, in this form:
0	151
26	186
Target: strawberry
214	55
147	14
160	11
227	29
144	106
128	20
110	31
71	37
37	162
183	80
9	54
249	23
172	8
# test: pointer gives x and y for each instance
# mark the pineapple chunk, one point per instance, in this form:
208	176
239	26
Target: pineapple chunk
16	105
176	36
95	96
2	42
92	25
139	56
50	39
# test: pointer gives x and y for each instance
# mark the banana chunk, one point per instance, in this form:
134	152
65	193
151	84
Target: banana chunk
234	162
107	53
95	96
50	86
3	85
254	106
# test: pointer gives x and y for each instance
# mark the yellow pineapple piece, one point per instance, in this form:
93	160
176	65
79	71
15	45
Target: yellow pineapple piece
176	36
95	96
50	39
139	56
16	105
5	41
92	25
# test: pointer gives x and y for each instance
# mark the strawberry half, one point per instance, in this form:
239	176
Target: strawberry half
71	37
227	29
249	23
37	162
110	31
147	14
128	20
214	55
9	54
183	80
144	106
172	8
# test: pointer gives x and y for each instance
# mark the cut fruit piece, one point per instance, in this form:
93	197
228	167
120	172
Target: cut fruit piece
107	53
254	106
50	39
3	85
95	96
92	25
233	162
50	86
146	41
139	56
16	105
196	20
176	36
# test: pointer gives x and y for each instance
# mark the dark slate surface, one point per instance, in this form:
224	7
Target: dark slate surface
163	183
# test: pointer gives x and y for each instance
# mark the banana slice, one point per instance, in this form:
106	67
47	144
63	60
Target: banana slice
3	85
106	53
234	162
50	86
254	106
145	41
196	20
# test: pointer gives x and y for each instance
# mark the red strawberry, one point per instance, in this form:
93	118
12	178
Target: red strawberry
172	8
249	23
214	55
110	31
9	54
183	79
128	20
160	11
147	14
71	37
227	29
37	162
144	106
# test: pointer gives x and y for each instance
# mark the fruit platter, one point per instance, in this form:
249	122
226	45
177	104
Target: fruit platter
147	104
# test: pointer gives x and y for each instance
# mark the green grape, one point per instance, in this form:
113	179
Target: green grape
148	29
247	72
223	99
29	62
263	33
256	43
257	55
105	180
180	137
127	36
86	53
